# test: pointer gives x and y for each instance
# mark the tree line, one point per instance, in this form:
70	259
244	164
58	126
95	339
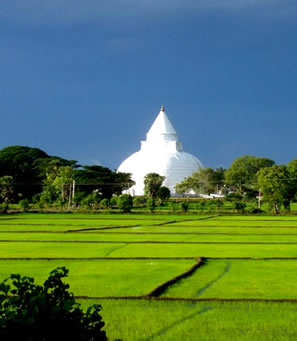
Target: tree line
247	178
30	175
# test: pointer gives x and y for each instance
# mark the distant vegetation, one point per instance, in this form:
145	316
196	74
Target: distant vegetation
30	176
32	179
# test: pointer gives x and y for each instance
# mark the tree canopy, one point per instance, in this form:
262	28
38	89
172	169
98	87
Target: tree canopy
102	180
243	170
27	167
50	178
277	186
205	181
152	185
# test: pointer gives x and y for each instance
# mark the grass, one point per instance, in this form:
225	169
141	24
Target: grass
148	250
205	250
102	278
44	236
95	216
238	223
211	229
207	321
55	222
240	279
153	237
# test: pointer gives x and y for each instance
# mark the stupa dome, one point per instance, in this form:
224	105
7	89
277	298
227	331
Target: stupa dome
161	153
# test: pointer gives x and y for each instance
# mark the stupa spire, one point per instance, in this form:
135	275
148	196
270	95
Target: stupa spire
162	129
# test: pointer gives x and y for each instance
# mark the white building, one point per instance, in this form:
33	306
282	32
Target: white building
161	153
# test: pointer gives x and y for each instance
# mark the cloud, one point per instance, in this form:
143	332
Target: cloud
68	12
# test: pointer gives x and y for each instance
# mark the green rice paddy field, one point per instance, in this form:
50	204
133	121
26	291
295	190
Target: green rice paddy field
243	288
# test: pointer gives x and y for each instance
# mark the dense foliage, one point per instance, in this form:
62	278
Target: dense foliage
29	176
27	166
125	203
205	181
242	173
277	186
152	185
31	312
6	190
102	180
48	180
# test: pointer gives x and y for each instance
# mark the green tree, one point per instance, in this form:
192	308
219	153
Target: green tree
58	185
49	312
205	181
64	183
18	162
218	178
292	168
51	165
163	194
102	180
152	185
6	190
125	203
28	168
187	185
277	186
242	173
121	182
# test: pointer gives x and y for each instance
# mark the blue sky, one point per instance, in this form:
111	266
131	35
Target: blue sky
85	79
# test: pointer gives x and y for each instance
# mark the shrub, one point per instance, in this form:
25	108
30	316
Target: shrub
184	206
201	205
139	201
78	198
212	205
239	206
233	197
219	204
24	205
173	206
255	210
125	203
3	208
40	205
151	204
88	201
105	203
113	201
32	312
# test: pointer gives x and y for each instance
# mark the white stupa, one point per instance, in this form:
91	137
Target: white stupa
161	153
